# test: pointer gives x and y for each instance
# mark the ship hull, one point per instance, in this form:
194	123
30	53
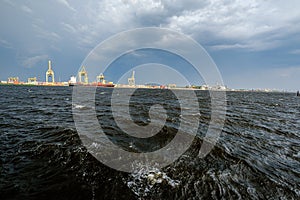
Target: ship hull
105	85
93	84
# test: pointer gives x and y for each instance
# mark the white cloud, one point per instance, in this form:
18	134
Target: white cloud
10	2
251	45
296	51
241	22
32	61
66	3
26	9
46	34
246	24
5	44
76	27
68	27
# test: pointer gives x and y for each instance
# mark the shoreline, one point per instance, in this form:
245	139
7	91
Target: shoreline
139	87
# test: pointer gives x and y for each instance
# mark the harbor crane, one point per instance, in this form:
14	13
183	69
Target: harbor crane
50	72
83	73
131	80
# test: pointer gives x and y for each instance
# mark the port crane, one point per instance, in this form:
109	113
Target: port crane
131	80
50	72
83	73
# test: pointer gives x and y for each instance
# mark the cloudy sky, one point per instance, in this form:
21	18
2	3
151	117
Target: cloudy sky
255	43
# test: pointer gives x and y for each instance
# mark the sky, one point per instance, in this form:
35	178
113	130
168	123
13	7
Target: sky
254	43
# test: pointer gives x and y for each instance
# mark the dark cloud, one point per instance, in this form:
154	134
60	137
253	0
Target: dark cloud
37	28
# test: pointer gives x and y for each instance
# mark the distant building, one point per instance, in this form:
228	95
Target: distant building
221	87
72	79
32	81
171	85
204	87
14	80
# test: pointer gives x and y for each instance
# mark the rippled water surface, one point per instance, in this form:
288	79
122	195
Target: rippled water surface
42	157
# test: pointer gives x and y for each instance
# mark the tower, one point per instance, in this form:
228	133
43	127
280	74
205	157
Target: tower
131	80
100	79
49	72
83	73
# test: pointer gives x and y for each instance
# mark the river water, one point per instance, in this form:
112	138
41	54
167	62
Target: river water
257	155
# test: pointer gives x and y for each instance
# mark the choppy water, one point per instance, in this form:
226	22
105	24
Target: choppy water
42	157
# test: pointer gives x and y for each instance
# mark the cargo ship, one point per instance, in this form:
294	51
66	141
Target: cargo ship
93	84
105	85
72	81
100	82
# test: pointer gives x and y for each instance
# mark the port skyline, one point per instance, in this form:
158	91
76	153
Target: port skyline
83	80
254	46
